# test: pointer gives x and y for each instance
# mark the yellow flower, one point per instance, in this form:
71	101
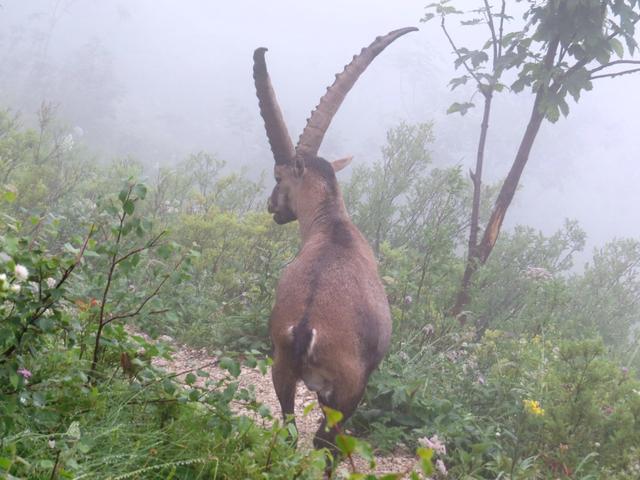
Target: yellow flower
533	407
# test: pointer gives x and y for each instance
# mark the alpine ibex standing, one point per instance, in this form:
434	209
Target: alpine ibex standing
330	325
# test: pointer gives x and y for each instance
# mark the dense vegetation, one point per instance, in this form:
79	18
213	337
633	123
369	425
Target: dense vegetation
540	382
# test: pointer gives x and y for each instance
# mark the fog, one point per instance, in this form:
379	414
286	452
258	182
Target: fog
161	79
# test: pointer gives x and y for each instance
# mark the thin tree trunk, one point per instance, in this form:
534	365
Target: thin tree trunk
476	178
479	252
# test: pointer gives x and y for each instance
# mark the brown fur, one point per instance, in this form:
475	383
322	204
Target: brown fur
330	325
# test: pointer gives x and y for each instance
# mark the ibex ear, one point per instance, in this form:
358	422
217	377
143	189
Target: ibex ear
341	163
298	166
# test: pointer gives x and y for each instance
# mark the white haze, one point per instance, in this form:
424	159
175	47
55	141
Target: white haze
162	79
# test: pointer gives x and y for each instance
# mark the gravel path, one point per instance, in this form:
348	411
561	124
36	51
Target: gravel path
185	358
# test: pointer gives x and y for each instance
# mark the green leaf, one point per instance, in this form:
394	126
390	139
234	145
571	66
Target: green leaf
190	379
168	386
426	455
14	379
73	431
427	17
140	191
346	444
308	409
264	411
128	206
333	416
230	365
456	82
617	47
461	108
293	431
9	196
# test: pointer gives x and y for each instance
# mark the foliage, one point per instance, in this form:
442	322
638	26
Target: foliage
587	33
542	383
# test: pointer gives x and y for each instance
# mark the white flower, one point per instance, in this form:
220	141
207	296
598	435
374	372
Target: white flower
21	273
441	467
15	288
51	282
3	277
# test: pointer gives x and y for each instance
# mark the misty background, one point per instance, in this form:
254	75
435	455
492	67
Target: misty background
158	80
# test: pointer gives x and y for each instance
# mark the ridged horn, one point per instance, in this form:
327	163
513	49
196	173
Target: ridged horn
279	139
321	116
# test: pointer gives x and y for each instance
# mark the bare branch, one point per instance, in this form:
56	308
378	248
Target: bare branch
615	62
501	34
616	74
150	244
492	27
133	313
455	49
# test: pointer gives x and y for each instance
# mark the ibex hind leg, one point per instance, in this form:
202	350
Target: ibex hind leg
284	381
344	397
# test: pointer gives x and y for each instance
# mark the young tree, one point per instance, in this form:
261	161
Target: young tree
562	47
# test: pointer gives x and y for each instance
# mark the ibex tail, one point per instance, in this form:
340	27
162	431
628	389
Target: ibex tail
304	338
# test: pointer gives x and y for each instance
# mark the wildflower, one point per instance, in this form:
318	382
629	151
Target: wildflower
15	288
3	277
533	407
51	282
481	380
428	329
625	371
434	443
408	300
25	373
67	143
52	443
441	467
538	273
21	273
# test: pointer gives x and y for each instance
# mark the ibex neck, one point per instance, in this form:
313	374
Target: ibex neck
317	220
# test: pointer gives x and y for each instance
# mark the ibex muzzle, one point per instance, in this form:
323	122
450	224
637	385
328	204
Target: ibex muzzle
330	325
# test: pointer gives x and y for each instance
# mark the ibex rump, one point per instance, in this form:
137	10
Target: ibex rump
330	325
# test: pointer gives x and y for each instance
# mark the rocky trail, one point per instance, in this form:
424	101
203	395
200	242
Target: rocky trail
187	359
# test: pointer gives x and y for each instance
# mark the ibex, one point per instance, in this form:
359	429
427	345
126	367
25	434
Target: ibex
330	326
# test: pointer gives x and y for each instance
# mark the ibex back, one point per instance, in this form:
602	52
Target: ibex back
330	326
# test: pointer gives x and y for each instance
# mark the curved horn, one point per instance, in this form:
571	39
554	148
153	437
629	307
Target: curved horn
277	133
321	117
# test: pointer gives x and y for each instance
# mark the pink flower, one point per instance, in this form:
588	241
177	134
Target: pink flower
441	467
434	443
25	373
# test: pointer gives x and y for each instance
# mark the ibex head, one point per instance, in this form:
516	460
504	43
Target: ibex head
298	169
